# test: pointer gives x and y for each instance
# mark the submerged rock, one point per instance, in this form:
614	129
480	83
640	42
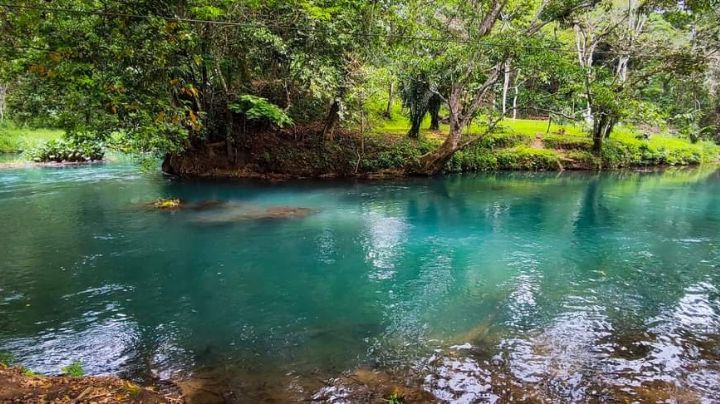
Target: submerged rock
370	386
240	213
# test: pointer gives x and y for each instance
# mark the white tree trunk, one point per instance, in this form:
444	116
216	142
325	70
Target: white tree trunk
515	96
3	100
506	86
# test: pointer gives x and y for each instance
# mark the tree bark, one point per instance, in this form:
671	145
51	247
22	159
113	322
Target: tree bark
602	127
515	98
434	108
433	163
391	97
506	86
3	97
331	121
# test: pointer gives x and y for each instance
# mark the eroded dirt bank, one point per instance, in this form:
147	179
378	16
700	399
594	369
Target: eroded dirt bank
20	386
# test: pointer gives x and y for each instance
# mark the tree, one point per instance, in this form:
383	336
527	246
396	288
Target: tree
638	45
475	56
165	74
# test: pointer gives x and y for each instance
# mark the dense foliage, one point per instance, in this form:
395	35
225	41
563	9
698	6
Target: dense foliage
174	76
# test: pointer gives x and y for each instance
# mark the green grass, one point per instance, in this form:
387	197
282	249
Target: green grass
16	139
525	144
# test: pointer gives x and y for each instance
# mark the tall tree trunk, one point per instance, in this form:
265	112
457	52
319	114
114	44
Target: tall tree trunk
391	101
602	127
414	132
597	133
418	109
515	96
3	97
506	86
434	108
331	121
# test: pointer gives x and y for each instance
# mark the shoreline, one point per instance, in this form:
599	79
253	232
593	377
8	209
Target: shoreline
387	174
21	385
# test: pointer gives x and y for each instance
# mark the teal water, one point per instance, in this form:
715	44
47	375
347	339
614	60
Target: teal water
571	285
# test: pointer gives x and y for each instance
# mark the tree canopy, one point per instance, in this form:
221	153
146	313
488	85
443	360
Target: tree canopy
173	75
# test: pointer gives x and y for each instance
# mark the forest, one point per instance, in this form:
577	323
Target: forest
360	201
210	84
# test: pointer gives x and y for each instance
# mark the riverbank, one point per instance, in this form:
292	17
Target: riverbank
522	145
23	386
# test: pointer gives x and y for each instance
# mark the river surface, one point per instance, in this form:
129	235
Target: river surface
478	288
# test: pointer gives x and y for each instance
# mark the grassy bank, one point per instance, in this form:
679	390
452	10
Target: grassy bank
525	144
520	144
16	139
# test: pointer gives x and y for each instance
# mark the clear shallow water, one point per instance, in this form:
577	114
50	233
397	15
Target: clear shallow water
567	286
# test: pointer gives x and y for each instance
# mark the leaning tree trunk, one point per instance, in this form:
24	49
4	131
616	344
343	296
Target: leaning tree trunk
331	121
434	108
434	162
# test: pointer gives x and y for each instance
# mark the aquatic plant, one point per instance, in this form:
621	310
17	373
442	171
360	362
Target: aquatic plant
27	372
6	358
74	369
394	399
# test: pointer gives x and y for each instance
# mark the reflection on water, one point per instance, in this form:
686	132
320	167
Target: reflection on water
491	288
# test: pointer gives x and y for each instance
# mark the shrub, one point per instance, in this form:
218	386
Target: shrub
527	158
581	159
628	151
259	108
565	142
402	153
473	159
68	150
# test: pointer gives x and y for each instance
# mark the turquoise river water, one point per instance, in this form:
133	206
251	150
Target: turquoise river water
483	288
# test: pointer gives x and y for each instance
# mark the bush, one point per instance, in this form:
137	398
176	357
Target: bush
627	151
473	159
515	158
402	153
565	142
259	108
527	158
68	150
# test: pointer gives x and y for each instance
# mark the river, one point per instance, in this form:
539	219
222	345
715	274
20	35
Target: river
491	287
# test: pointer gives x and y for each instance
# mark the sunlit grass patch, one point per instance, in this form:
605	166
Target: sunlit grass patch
16	139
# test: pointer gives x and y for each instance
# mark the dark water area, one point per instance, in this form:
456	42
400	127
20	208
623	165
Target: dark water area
494	287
